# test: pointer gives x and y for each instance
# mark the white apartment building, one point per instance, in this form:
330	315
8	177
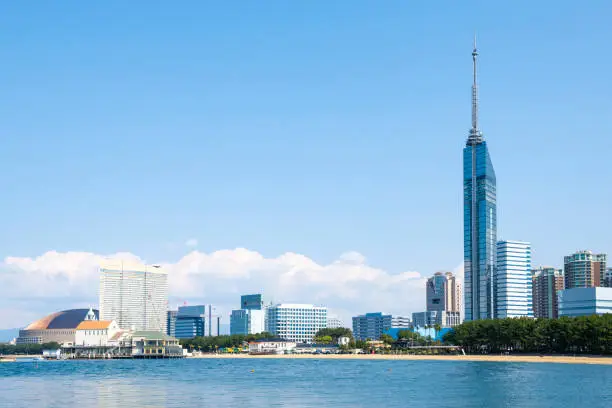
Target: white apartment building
400	322
134	295
296	322
512	292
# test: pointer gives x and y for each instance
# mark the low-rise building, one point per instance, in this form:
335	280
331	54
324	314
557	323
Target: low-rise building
95	333
272	346
58	327
585	301
400	322
435	317
151	344
296	322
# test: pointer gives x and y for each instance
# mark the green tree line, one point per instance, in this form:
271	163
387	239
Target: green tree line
28	349
575	335
212	343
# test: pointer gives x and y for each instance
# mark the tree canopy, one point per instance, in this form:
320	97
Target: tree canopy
585	335
213	343
335	334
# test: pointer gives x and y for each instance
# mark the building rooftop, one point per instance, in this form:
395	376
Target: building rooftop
94	325
66	319
152	335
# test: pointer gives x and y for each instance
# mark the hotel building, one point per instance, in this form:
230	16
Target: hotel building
134	295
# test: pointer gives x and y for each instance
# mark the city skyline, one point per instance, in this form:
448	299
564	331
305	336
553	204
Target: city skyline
238	157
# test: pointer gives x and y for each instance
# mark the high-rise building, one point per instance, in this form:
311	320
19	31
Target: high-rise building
585	301
584	269
371	325
134	295
252	302
479	218
546	283
251	317
190	322
296	322
171	325
608	278
436	317
512	290
400	322
443	292
333	322
249	321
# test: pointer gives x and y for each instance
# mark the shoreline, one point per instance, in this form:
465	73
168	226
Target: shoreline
406	357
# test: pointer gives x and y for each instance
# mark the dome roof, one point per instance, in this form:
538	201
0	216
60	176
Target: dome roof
66	319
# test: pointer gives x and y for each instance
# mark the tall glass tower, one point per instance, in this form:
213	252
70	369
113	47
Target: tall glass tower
479	219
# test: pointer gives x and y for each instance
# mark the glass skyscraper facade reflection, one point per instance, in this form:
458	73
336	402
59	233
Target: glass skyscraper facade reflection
479	218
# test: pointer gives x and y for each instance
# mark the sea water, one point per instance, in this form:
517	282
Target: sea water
255	383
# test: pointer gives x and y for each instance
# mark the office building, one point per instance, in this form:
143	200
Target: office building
296	322
546	283
171	323
479	218
432	318
585	301
333	322
443	292
251	317
513	286
134	295
400	322
584	269
371	325
250	321
252	302
190	322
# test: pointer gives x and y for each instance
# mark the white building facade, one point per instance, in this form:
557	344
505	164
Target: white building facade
95	333
432	318
134	295
334	322
296	322
400	322
512	289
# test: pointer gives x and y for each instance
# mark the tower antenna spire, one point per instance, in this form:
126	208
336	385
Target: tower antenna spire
475	135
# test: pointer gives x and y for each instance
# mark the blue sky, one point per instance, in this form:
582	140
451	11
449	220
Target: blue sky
309	127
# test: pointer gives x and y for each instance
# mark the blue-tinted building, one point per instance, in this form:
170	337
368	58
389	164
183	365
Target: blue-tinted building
479	219
171	324
251	302
190	322
585	301
371	326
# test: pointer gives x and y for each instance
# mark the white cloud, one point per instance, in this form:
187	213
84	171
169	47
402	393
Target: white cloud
348	285
192	243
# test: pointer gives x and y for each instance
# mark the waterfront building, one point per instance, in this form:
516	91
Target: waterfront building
171	323
546	283
513	285
134	295
190	322
272	346
371	325
585	301
479	218
154	344
91	333
296	322
333	322
250	321
59	327
584	269
431	318
400	322
443	292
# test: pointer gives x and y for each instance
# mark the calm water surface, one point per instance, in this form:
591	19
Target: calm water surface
254	383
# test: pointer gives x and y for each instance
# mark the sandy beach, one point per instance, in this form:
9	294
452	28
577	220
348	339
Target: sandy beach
490	358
